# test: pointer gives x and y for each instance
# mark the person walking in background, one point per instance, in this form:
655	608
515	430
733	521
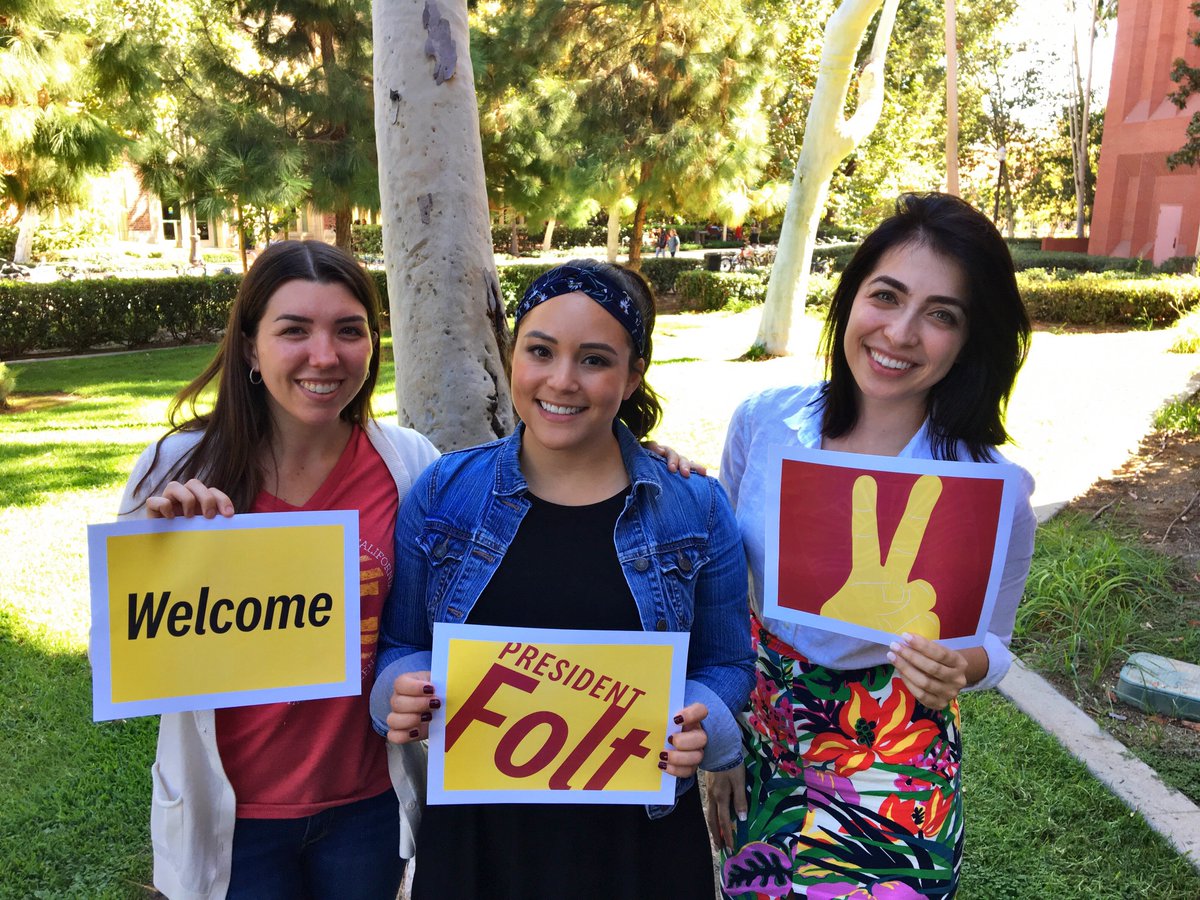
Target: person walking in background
673	242
853	778
660	243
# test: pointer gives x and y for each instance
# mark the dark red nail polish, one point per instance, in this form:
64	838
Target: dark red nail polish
426	717
435	703
663	756
414	733
679	720
427	689
663	766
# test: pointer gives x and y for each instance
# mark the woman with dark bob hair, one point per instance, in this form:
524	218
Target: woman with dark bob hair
287	799
570	523
852	780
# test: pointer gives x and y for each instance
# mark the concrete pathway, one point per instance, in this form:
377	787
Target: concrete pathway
1138	786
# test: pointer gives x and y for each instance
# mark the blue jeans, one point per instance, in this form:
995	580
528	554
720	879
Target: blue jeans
349	852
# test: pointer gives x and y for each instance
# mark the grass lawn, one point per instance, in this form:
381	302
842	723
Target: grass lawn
74	795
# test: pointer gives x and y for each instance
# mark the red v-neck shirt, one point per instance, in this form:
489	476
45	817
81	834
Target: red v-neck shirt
288	760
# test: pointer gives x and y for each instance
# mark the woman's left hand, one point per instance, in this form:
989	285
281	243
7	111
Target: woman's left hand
675	461
687	744
935	674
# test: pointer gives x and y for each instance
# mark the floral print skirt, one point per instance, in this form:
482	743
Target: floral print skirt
854	788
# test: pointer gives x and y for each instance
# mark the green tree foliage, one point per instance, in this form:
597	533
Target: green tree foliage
58	62
1188	79
656	101
302	78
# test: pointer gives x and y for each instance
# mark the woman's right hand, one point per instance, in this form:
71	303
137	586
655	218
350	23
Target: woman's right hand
413	704
726	793
188	500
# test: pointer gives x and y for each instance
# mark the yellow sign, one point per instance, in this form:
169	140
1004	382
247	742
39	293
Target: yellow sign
544	716
201	614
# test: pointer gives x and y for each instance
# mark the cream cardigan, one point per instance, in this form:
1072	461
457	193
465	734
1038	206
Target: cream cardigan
192	811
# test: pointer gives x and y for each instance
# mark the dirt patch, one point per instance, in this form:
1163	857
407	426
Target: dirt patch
1155	496
20	401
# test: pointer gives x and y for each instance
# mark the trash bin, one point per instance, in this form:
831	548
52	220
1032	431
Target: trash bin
712	262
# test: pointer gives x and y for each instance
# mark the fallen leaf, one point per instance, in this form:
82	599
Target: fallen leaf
1158	719
1193	726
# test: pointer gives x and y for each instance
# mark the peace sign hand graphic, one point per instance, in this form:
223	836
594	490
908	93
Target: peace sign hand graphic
878	594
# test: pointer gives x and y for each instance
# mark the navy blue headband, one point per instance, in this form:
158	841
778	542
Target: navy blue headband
569	279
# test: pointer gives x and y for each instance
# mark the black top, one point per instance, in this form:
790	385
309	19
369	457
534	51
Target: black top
561	571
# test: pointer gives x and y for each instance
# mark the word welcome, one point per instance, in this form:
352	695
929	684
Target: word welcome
248	614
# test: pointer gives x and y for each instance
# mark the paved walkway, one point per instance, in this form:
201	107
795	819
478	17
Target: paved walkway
1165	809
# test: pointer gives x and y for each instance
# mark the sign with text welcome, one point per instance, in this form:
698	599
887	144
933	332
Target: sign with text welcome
206	614
875	546
535	715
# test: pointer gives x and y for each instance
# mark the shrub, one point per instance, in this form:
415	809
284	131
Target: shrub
1024	258
1178	265
83	228
8	241
366	240
832	257
663	273
703	291
80	315
8	384
1110	300
516	278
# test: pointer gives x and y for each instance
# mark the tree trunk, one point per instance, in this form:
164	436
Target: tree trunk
447	312
342	220
241	230
548	237
614	231
23	251
828	139
1079	151
514	238
951	98
639	219
193	232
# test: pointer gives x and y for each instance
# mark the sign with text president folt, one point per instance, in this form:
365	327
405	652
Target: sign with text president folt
205	614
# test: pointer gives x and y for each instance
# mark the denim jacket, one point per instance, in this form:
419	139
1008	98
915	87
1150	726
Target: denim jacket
677	543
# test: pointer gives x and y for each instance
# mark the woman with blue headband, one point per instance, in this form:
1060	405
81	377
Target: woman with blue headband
594	534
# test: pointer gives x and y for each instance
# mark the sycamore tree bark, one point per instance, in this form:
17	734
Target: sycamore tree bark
449	332
951	98
829	137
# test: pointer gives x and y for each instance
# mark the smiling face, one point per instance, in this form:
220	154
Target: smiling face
906	328
571	370
313	349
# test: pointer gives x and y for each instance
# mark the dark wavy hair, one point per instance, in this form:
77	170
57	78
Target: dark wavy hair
643	410
967	405
238	427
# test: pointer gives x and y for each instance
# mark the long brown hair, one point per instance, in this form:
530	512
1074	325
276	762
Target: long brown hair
968	405
238	427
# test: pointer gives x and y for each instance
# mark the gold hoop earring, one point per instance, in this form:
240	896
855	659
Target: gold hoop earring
254	372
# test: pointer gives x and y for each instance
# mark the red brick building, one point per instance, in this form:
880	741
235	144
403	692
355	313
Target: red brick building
1142	208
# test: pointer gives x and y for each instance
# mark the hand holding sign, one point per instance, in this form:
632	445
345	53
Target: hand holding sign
413	703
188	500
878	594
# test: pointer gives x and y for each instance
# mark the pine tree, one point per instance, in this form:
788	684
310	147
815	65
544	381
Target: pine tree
311	80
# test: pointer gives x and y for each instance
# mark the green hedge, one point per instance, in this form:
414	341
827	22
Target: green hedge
81	315
1106	300
1024	258
366	240
515	278
703	291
